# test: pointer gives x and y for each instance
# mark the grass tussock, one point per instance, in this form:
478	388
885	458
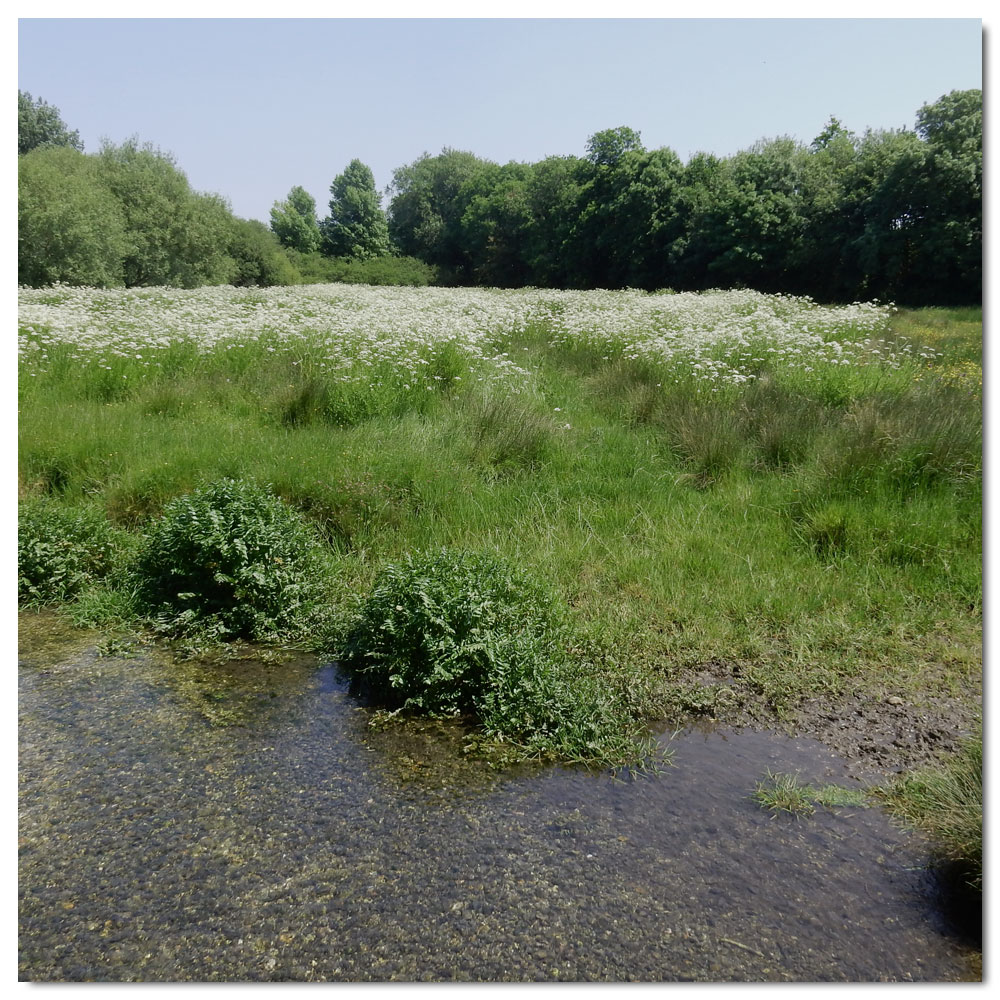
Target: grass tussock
781	792
946	802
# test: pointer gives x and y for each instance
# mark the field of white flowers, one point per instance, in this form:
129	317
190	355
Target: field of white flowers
350	332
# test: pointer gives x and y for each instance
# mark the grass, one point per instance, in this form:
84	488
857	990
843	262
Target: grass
785	793
818	534
946	802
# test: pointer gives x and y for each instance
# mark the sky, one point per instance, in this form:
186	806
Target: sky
250	108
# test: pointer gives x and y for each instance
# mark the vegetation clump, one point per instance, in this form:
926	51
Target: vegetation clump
233	560
455	633
785	793
61	550
946	802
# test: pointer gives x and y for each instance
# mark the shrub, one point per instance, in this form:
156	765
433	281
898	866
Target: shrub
466	634
233	559
60	550
388	270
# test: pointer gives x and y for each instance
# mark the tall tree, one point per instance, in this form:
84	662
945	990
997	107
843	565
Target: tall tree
356	226
293	221
40	124
823	263
425	213
176	236
495	224
70	227
553	189
922	242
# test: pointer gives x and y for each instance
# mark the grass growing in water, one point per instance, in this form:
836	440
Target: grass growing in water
785	793
946	802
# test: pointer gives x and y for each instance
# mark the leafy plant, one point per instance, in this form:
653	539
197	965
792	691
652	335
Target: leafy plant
60	550
233	559
452	633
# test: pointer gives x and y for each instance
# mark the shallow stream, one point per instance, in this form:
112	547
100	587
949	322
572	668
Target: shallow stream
243	822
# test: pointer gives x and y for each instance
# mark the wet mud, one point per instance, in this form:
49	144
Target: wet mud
244	822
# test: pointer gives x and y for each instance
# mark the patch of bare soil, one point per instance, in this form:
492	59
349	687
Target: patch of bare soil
877	735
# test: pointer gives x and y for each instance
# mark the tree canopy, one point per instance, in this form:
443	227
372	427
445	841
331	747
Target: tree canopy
356	226
40	124
890	214
293	221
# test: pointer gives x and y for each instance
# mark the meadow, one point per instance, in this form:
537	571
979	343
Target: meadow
561	513
720	486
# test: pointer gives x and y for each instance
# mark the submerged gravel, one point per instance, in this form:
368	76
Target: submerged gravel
243	822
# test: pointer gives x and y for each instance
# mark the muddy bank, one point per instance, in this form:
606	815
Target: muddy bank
243	822
880	736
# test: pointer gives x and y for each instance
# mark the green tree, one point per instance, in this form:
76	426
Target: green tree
40	124
427	206
356	226
922	241
258	257
953	125
606	149
823	262
293	221
70	227
553	192
175	236
626	222
495	224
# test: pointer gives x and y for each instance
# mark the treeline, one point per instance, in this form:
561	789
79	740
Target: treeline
127	216
890	214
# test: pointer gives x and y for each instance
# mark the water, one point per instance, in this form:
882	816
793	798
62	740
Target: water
244	822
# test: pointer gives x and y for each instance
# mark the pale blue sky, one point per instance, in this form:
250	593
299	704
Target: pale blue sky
250	108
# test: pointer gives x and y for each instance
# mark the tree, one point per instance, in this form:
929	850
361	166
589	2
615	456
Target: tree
954	125
40	124
743	217
293	221
70	227
626	220
495	224
553	191
425	214
356	226
605	149
922	241
832	133
258	257
176	236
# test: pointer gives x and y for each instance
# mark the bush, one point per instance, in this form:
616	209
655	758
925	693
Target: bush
60	550
232	559
70	228
466	634
389	270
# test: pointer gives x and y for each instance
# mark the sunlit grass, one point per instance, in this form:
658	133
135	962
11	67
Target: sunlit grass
819	531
